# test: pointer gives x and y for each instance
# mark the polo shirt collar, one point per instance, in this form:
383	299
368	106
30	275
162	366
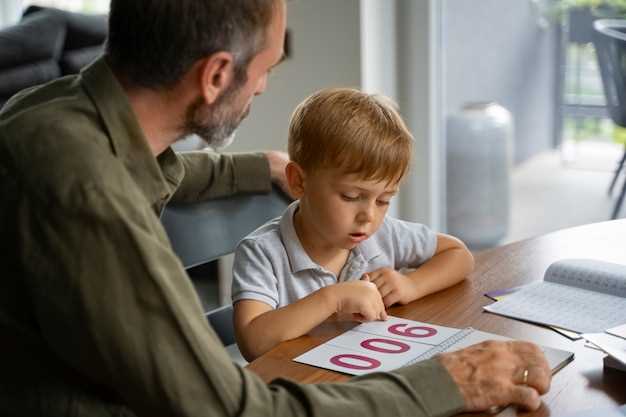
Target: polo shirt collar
156	177
300	260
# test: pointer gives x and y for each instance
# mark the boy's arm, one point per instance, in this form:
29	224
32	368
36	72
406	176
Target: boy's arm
450	264
259	327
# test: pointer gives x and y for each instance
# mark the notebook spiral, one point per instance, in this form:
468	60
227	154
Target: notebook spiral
443	346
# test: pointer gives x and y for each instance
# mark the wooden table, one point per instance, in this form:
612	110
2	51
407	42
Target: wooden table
583	384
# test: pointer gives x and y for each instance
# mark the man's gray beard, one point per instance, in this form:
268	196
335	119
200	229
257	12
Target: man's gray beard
216	125
220	142
218	132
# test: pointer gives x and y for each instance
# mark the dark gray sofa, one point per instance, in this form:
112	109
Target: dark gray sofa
47	43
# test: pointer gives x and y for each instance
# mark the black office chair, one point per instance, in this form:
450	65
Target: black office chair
203	232
610	44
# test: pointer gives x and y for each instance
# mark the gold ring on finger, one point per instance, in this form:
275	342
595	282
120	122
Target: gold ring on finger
494	409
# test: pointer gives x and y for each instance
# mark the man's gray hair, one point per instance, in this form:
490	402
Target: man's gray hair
154	43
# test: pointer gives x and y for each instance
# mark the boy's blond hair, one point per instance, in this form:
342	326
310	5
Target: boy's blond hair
354	132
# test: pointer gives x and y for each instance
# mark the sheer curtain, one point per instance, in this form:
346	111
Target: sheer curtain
10	12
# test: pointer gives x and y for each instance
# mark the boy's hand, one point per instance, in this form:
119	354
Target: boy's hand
392	285
361	299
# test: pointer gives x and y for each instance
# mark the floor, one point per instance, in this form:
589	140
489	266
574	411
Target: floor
565	188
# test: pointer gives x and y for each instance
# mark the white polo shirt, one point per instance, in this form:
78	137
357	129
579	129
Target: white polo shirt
271	265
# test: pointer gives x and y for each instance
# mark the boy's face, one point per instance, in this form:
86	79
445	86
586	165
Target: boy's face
340	211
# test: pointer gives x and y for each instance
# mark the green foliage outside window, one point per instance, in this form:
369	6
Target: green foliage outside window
598	7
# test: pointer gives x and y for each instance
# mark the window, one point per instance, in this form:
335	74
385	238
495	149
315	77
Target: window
83	6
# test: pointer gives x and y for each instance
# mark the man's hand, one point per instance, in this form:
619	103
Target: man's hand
278	161
392	285
494	374
360	299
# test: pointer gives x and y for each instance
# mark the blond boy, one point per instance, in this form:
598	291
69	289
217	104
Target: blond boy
334	250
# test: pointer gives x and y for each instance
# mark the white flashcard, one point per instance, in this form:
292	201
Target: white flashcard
392	344
410	330
388	347
348	361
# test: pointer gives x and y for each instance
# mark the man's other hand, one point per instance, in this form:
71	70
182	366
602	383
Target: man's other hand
278	161
494	374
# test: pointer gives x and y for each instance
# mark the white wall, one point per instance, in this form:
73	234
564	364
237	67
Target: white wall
325	53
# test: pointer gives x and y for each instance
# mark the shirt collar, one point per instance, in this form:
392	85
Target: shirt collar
156	177
300	260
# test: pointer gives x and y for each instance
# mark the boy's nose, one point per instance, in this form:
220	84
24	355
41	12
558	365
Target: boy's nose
366	215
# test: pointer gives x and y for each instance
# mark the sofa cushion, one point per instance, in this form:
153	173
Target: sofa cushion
17	78
83	30
73	61
38	37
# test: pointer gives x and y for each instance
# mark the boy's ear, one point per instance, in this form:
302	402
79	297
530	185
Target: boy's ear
295	179
216	75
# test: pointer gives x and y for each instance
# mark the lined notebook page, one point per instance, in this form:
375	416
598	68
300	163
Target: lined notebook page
579	297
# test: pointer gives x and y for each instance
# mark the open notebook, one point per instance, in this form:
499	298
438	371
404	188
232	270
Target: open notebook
582	295
398	342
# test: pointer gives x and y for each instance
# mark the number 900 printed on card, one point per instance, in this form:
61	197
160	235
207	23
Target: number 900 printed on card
377	346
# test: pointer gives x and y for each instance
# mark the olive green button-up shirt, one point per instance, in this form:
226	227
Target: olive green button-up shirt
97	315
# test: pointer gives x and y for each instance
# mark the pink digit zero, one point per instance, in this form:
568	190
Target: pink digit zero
399	346
339	361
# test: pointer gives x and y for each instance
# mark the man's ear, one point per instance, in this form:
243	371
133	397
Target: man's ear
216	75
295	178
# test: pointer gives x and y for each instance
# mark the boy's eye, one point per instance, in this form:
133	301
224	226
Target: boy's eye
382	202
348	197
